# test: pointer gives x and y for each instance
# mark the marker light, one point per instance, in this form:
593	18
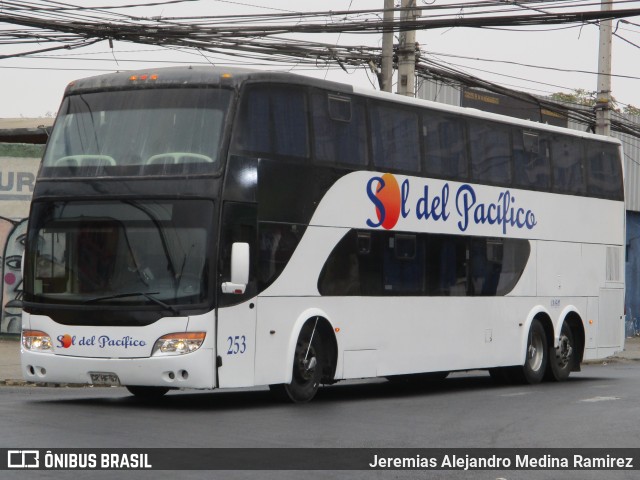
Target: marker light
178	343
36	341
143	77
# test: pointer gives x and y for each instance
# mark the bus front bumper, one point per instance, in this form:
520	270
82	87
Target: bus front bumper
192	370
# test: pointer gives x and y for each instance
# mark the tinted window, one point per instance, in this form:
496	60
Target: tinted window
444	146
385	263
568	165
138	132
394	138
446	265
531	160
273	120
123	253
340	130
276	244
490	150
496	265
605	171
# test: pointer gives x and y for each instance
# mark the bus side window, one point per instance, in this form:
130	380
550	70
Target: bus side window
444	146
394	138
531	160
490	148
340	130
403	265
341	272
446	265
276	244
273	121
567	156
605	171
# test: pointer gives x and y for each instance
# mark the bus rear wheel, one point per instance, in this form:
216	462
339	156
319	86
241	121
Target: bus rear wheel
537	357
147	393
308	362
562	359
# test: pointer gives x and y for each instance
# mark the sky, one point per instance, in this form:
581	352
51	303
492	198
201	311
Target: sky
32	86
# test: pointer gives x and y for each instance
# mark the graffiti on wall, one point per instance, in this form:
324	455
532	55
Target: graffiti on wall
18	169
12	237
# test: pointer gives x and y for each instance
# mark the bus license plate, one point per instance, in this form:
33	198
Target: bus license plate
105	378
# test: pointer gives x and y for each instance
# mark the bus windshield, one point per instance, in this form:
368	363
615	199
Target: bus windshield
138	132
128	252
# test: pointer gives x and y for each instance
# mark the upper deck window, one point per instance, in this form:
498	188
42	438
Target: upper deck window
273	121
138	132
340	129
605	171
393	136
567	155
445	145
490	149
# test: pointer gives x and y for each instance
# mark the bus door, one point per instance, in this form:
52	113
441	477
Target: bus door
236	313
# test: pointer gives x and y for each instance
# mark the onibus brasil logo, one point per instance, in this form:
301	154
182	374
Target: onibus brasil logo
393	201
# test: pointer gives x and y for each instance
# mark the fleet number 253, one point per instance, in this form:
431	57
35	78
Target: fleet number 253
237	345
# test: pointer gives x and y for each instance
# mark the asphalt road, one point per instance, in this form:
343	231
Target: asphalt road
598	407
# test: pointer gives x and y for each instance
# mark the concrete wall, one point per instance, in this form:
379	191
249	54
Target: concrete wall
18	168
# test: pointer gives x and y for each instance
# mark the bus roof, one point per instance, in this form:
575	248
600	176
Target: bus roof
173	77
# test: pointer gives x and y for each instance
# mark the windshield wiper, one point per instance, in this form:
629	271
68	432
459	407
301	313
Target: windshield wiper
147	295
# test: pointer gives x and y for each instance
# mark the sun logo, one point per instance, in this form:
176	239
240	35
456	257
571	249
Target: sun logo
384	193
66	341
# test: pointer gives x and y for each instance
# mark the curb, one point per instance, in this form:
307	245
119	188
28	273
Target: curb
24	383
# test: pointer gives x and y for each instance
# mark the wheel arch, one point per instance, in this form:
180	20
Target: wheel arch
326	330
574	320
542	315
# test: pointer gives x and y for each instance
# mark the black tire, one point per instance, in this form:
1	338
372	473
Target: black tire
562	360
537	357
308	363
147	393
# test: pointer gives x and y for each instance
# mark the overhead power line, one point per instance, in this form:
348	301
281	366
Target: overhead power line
260	37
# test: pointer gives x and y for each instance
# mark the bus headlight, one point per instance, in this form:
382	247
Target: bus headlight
178	343
36	341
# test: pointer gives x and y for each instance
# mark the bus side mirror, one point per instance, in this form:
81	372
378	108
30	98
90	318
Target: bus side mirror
239	269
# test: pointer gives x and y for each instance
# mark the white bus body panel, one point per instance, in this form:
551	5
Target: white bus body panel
236	344
575	266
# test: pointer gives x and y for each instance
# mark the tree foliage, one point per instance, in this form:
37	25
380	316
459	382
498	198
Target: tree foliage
580	96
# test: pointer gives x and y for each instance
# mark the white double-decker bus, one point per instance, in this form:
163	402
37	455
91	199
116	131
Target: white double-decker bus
200	228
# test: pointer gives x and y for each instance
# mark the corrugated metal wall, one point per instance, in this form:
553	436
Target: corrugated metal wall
438	92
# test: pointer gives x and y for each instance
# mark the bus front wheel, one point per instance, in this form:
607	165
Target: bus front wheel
308	363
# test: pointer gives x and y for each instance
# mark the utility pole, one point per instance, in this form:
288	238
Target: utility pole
407	51
387	47
603	99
